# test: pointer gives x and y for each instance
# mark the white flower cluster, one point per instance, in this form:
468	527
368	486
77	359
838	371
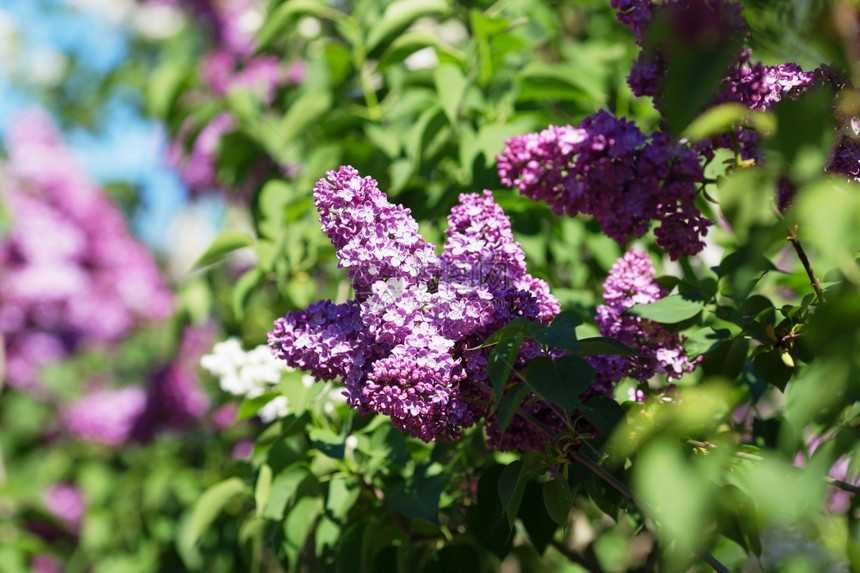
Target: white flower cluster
248	374
783	546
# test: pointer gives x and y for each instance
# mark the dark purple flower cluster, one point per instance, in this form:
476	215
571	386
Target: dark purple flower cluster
172	399
73	276
697	24
846	158
402	347
753	84
609	169
631	282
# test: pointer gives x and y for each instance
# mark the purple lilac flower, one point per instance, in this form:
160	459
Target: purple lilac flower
73	276
838	500
403	345
631	281
696	24
175	398
608	169
67	504
375	240
108	417
45	563
262	75
197	167
759	87
846	158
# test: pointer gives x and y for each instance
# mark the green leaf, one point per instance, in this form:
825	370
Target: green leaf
500	362
516	327
342	495
227	242
209	505
725	117
561	333
451	86
419	496
283	490
695	67
671	309
603	413
405	45
512	484
560	381
302	114
603	345
486	518
557	499
327	442
509	405
275	23
243	289
300	522
163	87
398	16
737	519
263	489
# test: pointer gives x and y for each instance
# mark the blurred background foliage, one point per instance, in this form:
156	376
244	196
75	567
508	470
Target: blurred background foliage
422	96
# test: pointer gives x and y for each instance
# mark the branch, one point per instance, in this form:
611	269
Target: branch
801	254
840	484
804	260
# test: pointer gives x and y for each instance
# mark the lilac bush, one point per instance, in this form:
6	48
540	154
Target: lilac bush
73	275
170	399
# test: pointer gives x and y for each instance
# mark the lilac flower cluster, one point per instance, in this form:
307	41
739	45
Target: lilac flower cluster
839	500
402	347
609	169
197	166
67	504
846	156
752	84
262	76
631	282
232	64
73	276
172	399
694	23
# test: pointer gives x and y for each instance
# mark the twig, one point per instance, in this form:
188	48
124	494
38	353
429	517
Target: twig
840	484
801	254
843	485
804	260
741	455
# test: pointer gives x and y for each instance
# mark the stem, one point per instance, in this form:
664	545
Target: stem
801	254
840	484
741	455
804	260
843	485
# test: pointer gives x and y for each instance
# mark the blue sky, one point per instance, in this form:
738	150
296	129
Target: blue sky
130	147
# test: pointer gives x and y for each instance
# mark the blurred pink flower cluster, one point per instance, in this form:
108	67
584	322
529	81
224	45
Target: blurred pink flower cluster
172	399
71	274
230	65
